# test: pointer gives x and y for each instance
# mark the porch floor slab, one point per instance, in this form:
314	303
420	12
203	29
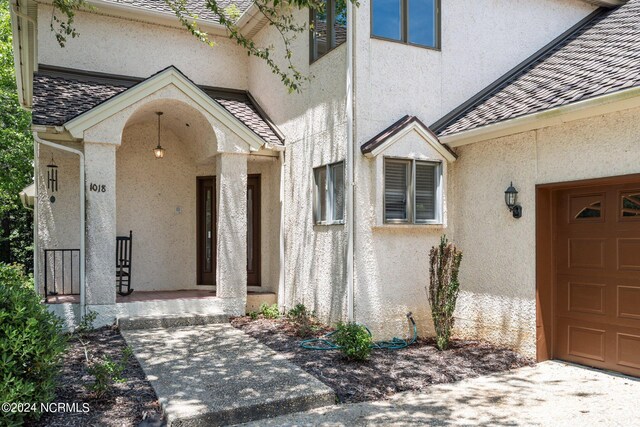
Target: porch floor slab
217	375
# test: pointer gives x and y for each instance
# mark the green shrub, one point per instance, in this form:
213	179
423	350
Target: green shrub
86	324
297	312
31	343
107	372
304	321
354	340
444	261
253	315
269	311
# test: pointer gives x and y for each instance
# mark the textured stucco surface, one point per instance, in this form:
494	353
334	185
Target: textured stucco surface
497	301
127	47
100	173
59	222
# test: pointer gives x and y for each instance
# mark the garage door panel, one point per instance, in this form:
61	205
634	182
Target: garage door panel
628	298
597	277
628	350
628	250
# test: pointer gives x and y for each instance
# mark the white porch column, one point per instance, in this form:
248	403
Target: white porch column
100	174
231	190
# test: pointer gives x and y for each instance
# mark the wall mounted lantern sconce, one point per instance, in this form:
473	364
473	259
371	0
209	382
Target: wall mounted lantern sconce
158	152
511	199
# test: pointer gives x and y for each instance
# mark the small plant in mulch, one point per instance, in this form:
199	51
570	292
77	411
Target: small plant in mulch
269	311
444	261
108	372
354	341
304	321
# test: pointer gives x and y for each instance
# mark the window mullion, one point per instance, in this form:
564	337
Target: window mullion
329	195
405	21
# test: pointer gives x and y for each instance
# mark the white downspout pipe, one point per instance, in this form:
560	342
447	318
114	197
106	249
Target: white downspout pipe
80	154
350	159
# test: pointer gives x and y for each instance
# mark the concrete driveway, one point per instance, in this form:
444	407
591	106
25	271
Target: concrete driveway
549	394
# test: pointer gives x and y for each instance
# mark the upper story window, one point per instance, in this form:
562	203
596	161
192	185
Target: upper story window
412	191
415	22
328	27
328	194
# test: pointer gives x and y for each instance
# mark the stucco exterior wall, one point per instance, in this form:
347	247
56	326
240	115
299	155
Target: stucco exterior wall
481	40
497	300
131	48
314	125
58	222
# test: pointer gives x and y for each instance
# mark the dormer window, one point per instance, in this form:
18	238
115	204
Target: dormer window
328	27
414	22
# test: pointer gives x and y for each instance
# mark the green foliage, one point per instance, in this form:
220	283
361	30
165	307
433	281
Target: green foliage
86	324
16	156
269	311
254	315
354	341
107	372
444	261
304	321
31	343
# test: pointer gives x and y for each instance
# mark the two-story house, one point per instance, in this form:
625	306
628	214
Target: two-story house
423	118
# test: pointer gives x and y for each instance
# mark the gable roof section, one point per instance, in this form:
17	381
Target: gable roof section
61	96
599	56
393	133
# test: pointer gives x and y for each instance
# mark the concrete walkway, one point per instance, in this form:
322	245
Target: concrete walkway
214	374
548	394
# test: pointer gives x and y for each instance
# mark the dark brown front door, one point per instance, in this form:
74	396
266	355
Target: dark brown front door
206	226
253	230
597	279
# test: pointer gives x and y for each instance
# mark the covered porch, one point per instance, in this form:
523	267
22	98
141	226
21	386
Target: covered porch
203	212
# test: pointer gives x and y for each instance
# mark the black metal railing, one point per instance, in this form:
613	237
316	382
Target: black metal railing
61	272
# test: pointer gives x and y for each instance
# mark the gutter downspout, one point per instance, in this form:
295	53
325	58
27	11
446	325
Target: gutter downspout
350	157
80	154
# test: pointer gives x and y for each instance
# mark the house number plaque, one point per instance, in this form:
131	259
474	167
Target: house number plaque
98	188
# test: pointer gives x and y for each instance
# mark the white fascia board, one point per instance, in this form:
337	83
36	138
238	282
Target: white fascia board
78	125
617	101
23	57
424	133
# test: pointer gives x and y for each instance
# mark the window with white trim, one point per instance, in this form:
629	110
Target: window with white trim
328	194
412	191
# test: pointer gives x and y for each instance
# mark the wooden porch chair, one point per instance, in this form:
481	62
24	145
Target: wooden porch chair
123	263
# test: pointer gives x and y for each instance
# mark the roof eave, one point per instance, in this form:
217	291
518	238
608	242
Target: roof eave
24	51
607	3
604	104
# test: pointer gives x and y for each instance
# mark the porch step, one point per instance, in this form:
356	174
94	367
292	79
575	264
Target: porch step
170	321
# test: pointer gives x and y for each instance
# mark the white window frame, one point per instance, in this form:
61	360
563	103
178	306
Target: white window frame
411	192
329	196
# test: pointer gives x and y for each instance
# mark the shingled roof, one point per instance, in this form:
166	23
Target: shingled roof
196	7
599	56
59	95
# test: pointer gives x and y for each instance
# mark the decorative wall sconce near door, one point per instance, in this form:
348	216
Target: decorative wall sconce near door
511	199
159	151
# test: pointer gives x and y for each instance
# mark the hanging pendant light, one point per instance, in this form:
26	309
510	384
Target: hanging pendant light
159	151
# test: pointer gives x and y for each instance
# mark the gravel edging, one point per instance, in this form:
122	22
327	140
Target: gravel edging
386	372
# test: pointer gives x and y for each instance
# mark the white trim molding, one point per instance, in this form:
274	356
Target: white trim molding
170	76
427	135
609	103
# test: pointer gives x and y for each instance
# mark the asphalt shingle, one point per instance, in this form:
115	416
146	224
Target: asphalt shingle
600	57
61	95
195	7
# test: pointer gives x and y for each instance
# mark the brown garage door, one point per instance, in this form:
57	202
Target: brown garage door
597	294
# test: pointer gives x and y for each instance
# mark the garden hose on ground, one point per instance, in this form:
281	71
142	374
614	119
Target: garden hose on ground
326	343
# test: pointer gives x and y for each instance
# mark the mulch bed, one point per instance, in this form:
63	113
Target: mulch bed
128	402
386	372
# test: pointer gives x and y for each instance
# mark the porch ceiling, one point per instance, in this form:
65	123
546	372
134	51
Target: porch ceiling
60	95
